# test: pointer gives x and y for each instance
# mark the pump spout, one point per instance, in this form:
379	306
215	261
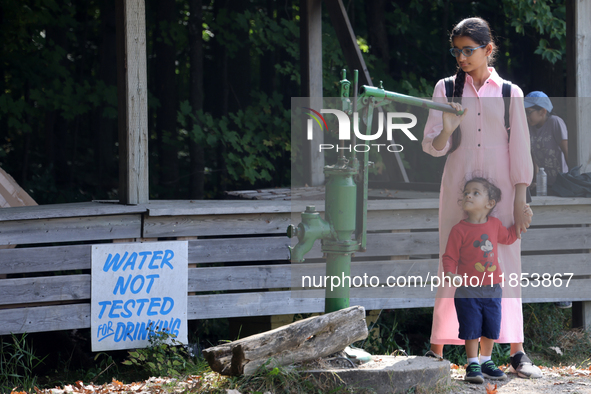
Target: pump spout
311	228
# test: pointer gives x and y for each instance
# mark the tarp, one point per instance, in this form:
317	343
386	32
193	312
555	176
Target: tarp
11	194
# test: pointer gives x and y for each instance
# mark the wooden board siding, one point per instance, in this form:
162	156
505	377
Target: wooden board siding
239	264
90	228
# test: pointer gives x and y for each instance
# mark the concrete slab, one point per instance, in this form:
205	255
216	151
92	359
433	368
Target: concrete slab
389	374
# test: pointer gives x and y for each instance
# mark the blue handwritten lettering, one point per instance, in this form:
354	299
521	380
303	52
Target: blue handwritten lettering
154	303
114	262
103	305
127	312
168	254
105	331
144	257
129	331
130	262
141	303
151	277
122	285
137	289
116	305
156	256
163	310
119	332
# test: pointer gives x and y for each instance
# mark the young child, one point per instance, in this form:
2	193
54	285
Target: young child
549	137
470	262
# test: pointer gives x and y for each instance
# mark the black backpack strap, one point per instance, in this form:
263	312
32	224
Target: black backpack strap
449	87
506	94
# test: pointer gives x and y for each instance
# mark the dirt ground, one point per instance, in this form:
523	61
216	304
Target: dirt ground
554	380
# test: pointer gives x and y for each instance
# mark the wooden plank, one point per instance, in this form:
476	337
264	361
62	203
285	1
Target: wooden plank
44	318
281	275
545	215
577	290
550	204
189	226
51	258
76	209
70	229
419	243
215	207
132	101
44	289
250	304
260	249
379	244
238	249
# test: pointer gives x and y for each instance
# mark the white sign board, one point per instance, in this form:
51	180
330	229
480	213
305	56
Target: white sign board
138	288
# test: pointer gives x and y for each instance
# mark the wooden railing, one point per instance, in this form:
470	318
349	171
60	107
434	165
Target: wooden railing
238	256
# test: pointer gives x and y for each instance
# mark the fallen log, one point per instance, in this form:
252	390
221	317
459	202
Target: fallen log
304	340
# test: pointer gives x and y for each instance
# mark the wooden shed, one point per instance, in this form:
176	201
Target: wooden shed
238	256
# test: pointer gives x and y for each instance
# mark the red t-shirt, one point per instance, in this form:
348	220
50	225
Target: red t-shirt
472	250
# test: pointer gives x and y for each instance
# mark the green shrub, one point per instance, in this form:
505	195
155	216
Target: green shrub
164	356
17	362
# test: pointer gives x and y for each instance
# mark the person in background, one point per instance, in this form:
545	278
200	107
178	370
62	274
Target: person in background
549	137
549	144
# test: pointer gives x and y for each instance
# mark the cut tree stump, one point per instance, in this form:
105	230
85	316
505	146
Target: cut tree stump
304	340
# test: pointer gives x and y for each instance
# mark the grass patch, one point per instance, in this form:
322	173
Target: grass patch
17	362
550	338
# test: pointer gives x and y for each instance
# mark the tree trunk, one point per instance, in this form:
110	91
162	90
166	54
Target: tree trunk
196	151
378	35
106	133
166	93
301	341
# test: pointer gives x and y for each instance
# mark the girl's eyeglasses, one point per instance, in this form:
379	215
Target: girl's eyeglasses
455	52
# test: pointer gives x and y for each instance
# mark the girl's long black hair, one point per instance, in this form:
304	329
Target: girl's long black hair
478	30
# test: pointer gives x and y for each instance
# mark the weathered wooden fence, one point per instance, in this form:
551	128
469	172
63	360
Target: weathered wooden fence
238	257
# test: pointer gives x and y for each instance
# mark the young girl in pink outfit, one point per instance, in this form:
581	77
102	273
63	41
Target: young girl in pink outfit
477	142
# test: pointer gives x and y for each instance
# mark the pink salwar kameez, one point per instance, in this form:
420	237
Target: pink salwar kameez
485	150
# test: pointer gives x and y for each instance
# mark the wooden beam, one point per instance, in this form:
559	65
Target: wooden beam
578	82
132	94
21	232
311	81
354	59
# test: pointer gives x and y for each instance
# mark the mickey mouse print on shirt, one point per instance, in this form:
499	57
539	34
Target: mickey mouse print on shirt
487	247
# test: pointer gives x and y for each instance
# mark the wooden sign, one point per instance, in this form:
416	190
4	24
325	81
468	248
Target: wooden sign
138	289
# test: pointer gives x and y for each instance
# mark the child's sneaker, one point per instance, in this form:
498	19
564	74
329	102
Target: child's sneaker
523	367
490	370
474	374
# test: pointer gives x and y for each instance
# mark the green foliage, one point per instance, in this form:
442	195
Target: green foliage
387	341
253	138
548	328
546	18
164	356
17	364
57	100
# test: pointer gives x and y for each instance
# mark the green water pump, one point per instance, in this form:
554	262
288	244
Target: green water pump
346	195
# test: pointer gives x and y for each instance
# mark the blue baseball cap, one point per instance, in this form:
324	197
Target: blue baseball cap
540	99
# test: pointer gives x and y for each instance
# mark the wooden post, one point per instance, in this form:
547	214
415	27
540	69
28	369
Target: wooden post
132	93
354	58
578	81
311	73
